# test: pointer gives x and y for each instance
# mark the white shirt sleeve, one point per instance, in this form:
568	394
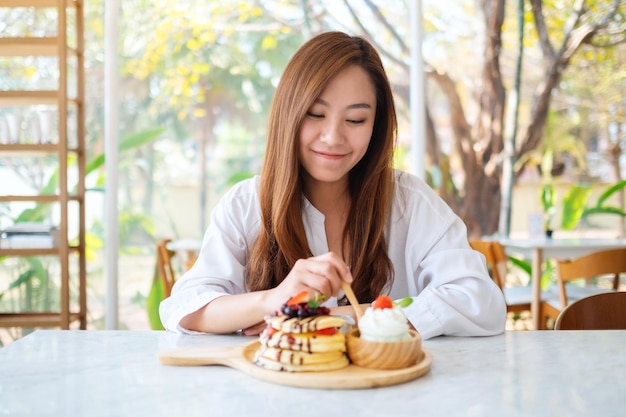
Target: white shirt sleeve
452	291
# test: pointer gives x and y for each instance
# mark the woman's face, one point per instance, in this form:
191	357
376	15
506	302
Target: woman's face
337	128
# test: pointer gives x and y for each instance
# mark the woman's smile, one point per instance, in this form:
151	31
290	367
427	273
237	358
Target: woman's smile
330	155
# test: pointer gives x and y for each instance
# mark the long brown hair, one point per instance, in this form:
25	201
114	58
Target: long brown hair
282	239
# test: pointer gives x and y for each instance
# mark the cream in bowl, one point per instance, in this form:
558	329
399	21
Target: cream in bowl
383	339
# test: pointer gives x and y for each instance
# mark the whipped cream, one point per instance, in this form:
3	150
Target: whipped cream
384	325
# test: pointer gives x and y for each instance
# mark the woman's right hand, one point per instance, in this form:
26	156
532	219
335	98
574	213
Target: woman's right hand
321	274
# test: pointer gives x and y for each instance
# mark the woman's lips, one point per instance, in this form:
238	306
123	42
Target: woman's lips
329	155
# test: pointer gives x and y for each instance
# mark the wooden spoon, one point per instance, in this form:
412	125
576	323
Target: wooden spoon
347	289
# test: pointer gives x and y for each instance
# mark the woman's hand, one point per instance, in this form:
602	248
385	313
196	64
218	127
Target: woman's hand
321	274
255	329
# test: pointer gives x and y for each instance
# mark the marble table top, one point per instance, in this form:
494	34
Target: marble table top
116	373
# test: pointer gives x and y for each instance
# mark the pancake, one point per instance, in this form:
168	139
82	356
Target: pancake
334	364
292	357
304	342
306	325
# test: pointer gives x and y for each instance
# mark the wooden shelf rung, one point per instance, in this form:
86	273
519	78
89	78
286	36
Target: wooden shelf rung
29	252
27	98
50	198
28	46
42	198
31	46
34	148
35	3
17	98
21	148
36	251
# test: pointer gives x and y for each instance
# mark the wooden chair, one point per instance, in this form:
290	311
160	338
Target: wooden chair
517	298
596	312
164	262
610	262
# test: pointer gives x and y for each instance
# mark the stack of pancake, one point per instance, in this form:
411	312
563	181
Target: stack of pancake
302	344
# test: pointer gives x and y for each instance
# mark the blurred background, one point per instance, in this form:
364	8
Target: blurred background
542	80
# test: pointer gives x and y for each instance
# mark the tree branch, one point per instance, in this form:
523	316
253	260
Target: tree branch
571	35
571	43
389	26
372	39
460	127
542	31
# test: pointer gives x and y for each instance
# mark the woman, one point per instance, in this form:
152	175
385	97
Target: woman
329	207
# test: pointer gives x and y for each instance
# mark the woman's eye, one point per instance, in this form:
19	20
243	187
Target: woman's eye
356	121
314	115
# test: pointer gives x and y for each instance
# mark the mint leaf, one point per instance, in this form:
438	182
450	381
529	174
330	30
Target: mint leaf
317	301
405	302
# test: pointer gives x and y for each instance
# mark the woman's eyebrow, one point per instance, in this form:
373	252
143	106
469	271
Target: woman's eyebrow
351	106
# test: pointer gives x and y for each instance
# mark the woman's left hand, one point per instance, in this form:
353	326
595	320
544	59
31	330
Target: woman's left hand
255	329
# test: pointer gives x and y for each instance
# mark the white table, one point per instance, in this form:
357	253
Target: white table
539	248
116	373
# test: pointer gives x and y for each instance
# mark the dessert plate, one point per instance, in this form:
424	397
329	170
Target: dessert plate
241	357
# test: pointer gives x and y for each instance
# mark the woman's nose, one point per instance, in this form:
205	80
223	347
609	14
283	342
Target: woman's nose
332	133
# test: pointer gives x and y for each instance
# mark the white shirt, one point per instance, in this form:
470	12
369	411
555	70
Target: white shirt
428	247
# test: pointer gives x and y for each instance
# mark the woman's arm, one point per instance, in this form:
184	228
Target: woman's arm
318	275
230	313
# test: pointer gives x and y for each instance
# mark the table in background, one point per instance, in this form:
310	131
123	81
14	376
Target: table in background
538	249
116	373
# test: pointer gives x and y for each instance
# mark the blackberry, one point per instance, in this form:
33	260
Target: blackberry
303	310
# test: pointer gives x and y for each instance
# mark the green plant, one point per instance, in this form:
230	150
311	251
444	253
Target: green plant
574	205
601	207
155	296
546	274
548	203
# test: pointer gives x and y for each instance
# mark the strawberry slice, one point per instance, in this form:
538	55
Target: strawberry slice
381	302
270	331
301	297
327	332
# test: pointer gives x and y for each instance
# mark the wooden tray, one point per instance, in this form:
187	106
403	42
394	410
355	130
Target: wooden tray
241	357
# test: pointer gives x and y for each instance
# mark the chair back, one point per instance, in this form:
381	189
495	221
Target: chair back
604	262
164	261
596	312
495	257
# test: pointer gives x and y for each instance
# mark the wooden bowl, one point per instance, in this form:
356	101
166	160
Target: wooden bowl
383	355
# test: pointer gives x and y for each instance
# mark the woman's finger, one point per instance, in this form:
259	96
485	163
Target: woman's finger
255	329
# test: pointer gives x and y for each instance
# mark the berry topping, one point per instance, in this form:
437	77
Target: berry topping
382	302
301	306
